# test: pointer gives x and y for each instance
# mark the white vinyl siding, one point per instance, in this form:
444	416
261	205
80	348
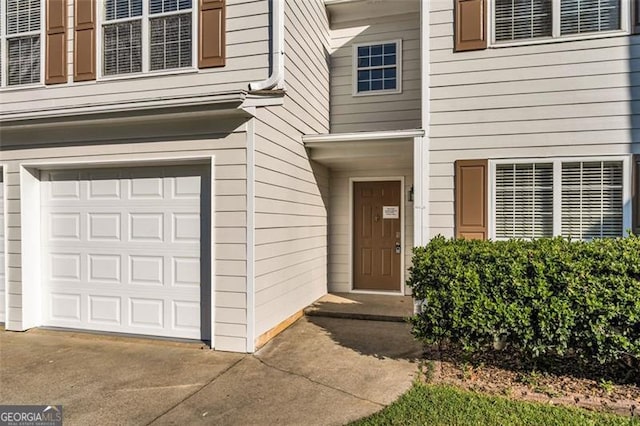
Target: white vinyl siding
524	200
20	62
228	190
291	190
392	111
551	100
247	60
150	36
592	199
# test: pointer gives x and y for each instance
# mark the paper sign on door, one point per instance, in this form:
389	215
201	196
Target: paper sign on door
390	212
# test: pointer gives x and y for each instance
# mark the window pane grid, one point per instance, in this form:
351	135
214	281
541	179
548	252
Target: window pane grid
167	26
377	67
122	9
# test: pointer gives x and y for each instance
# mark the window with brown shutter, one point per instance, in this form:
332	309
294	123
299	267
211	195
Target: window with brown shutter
212	37
471	199
84	49
56	42
470	25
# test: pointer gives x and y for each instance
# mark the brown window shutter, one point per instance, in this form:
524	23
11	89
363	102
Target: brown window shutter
84	46
471	199
470	25
212	37
56	42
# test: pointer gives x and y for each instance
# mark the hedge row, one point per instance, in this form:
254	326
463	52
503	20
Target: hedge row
545	296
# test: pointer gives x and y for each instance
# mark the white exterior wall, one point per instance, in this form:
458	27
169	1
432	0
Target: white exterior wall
383	111
247	61
340	232
290	211
229	216
546	100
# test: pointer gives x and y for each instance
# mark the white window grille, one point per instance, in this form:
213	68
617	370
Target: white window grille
150	35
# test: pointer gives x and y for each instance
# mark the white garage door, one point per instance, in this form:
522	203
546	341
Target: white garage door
2	277
122	249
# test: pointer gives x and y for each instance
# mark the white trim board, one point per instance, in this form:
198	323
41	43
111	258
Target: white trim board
4	213
401	290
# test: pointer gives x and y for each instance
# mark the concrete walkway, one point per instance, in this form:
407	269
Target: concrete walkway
320	371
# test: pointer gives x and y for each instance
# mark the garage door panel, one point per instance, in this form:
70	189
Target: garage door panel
104	310
122	250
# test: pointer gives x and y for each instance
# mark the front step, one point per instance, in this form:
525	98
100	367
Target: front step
372	307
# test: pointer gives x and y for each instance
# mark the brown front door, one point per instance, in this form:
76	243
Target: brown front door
376	235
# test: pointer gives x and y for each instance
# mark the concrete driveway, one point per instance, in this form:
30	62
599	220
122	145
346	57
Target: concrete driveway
319	371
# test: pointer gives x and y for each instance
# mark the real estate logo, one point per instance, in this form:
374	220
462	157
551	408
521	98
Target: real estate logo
30	415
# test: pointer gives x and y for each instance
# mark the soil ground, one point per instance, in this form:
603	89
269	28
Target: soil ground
558	382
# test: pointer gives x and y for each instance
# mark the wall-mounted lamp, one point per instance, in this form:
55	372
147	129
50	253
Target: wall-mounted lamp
411	193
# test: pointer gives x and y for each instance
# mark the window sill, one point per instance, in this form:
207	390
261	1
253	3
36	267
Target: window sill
150	74
22	87
378	92
562	39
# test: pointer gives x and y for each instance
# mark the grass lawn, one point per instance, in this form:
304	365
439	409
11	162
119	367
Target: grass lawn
446	405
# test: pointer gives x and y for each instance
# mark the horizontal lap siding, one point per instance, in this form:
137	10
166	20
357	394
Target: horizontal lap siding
573	98
375	112
229	217
247	61
290	190
339	219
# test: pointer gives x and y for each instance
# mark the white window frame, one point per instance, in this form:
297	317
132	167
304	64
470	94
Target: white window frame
4	63
354	67
625	24
627	184
145	42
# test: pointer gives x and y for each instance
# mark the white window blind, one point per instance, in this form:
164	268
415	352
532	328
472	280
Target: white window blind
22	33
524	200
515	20
171	34
521	19
584	16
122	37
592	199
168	24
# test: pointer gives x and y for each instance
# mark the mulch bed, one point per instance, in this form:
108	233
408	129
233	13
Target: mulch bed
562	381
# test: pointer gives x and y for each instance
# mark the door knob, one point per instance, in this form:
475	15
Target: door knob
398	249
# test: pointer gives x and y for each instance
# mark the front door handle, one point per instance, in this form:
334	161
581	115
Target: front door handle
398	248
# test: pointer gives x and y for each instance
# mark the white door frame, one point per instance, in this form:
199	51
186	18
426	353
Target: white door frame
352	180
31	233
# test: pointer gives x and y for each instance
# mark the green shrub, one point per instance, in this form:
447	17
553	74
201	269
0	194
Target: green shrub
542	297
